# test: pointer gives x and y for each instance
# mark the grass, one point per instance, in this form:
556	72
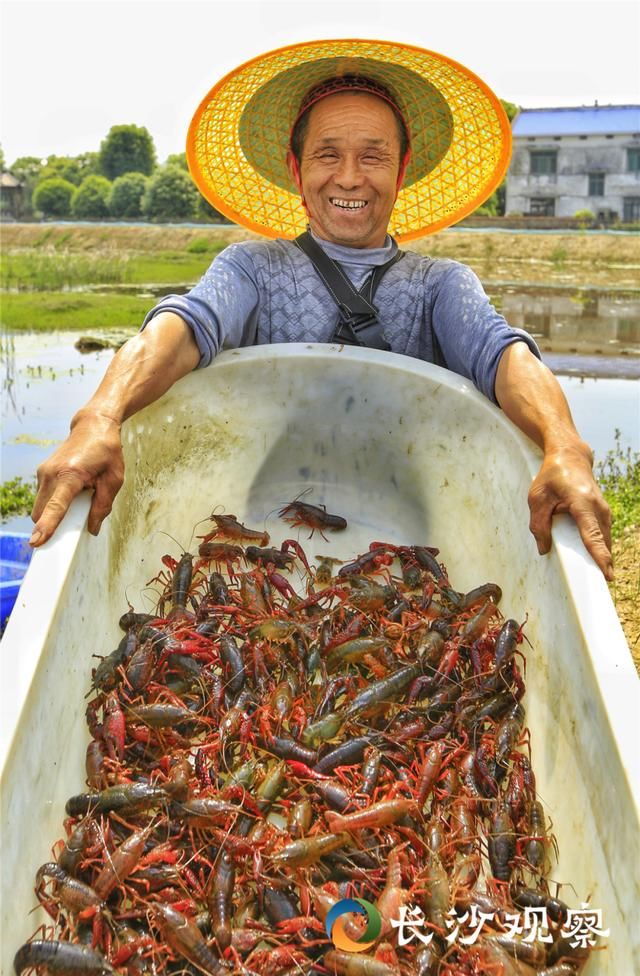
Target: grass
55	311
619	479
16	497
53	269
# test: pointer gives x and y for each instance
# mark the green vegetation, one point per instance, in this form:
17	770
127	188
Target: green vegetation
127	192
91	199
558	257
53	311
127	149
178	159
170	195
16	497
53	197
52	269
619	479
202	245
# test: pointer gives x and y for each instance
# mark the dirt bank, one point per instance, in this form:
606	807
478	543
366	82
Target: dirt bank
625	590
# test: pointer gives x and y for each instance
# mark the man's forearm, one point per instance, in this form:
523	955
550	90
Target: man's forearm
531	397
91	456
143	369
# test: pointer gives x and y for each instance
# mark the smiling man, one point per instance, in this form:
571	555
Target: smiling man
352	139
346	154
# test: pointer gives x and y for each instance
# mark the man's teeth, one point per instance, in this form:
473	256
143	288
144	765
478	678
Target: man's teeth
349	204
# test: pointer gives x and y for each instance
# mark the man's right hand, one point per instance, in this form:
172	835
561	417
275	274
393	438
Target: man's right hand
91	457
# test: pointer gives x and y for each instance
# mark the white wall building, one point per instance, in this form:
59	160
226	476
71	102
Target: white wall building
570	159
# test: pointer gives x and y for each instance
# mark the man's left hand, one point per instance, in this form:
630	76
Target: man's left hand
565	483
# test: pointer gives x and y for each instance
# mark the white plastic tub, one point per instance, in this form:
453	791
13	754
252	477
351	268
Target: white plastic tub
408	453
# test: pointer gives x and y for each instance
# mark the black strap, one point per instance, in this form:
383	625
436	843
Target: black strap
358	323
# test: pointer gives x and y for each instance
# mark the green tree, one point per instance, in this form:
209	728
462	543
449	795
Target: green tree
170	195
510	108
178	159
27	169
127	149
2	161
88	164
53	197
126	196
91	199
64	167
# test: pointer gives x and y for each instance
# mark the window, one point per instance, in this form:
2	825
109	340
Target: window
596	184
631	211
542	207
543	162
633	160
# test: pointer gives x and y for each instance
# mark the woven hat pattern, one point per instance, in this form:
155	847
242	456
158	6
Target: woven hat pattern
238	138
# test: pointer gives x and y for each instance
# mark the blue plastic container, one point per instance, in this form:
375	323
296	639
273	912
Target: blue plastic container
15	556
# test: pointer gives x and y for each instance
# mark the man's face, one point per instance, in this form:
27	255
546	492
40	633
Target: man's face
349	168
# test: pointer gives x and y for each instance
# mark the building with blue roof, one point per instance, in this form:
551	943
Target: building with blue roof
580	158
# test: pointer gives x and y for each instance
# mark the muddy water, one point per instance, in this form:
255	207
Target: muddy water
577	321
563	318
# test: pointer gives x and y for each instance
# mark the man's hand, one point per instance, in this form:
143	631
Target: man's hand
531	397
91	457
565	483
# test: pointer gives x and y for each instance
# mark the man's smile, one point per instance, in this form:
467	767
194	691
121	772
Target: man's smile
348	204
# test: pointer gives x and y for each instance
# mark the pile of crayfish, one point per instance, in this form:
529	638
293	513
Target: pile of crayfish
259	753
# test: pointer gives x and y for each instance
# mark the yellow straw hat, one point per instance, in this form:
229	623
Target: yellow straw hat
239	136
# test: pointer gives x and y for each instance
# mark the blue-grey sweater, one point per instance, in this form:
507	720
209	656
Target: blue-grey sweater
259	292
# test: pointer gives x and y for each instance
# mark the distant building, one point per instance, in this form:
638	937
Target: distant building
570	159
11	196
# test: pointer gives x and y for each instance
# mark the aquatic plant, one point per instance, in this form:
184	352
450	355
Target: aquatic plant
619	478
16	497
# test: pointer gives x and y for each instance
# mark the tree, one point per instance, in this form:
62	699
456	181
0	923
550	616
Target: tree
27	169
178	159
170	195
126	195
510	108
53	197
127	149
88	164
2	162
65	167
91	199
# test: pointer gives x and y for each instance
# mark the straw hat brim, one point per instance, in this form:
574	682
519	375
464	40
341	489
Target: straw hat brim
239	135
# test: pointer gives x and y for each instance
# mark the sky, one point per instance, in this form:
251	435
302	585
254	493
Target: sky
70	69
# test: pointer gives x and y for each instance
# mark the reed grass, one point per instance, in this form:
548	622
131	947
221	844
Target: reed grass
58	311
619	478
55	269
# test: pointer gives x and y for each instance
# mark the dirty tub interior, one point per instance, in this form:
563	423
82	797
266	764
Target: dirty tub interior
409	453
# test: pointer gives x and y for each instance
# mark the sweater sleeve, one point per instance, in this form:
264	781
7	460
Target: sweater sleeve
222	308
471	332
